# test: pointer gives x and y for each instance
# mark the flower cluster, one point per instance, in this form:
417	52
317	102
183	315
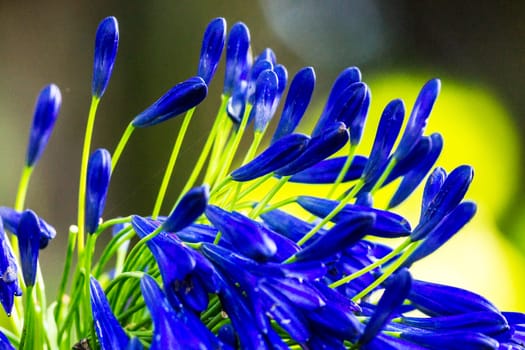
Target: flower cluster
230	268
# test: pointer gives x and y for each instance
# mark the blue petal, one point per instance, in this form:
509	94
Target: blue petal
28	245
440	300
190	207
387	131
11	219
255	71
98	175
344	234
297	100
326	171
211	49
237	102
443	231
9	287
319	148
346	78
109	332
179	99
387	224
44	118
413	177
106	45
418	118
237	53
282	79
246	235
448	197
286	224
393	296
274	157
433	185
264	97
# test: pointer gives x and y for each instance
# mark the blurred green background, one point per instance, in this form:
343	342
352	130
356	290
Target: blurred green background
477	49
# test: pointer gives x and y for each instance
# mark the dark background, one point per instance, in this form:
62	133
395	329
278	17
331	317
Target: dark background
40	42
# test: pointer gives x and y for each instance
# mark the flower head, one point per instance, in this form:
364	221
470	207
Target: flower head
28	245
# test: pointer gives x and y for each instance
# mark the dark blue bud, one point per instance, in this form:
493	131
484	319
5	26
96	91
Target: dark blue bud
211	50
98	175
28	245
9	287
297	100
453	340
44	118
265	94
237	102
11	219
274	157
448	197
346	78
433	185
286	224
179	99
418	118
414	176
485	322
387	132
326	171
134	344
190	207
245	234
441	232
416	156
344	234
109	332
237	57
346	108
441	300
393	296
106	45
356	123
256	70
387	224
319	148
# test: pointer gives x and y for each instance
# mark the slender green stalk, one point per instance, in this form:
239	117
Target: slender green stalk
221	115
88	316
83	173
171	163
72	237
121	145
29	338
344	170
111	248
22	188
257	210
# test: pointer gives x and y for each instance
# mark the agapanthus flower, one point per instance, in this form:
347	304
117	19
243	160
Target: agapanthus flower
240	262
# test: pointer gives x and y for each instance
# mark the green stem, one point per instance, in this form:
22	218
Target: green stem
171	163
257	210
207	147
22	188
111	248
344	170
88	316
65	274
29	337
121	145
83	173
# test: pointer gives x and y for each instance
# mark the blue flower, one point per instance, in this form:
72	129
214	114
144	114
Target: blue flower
109	332
5	343
98	175
44	118
11	219
106	45
28	245
237	57
179	99
9	287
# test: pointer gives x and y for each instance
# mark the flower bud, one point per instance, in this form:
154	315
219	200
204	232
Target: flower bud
98	175
106	45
